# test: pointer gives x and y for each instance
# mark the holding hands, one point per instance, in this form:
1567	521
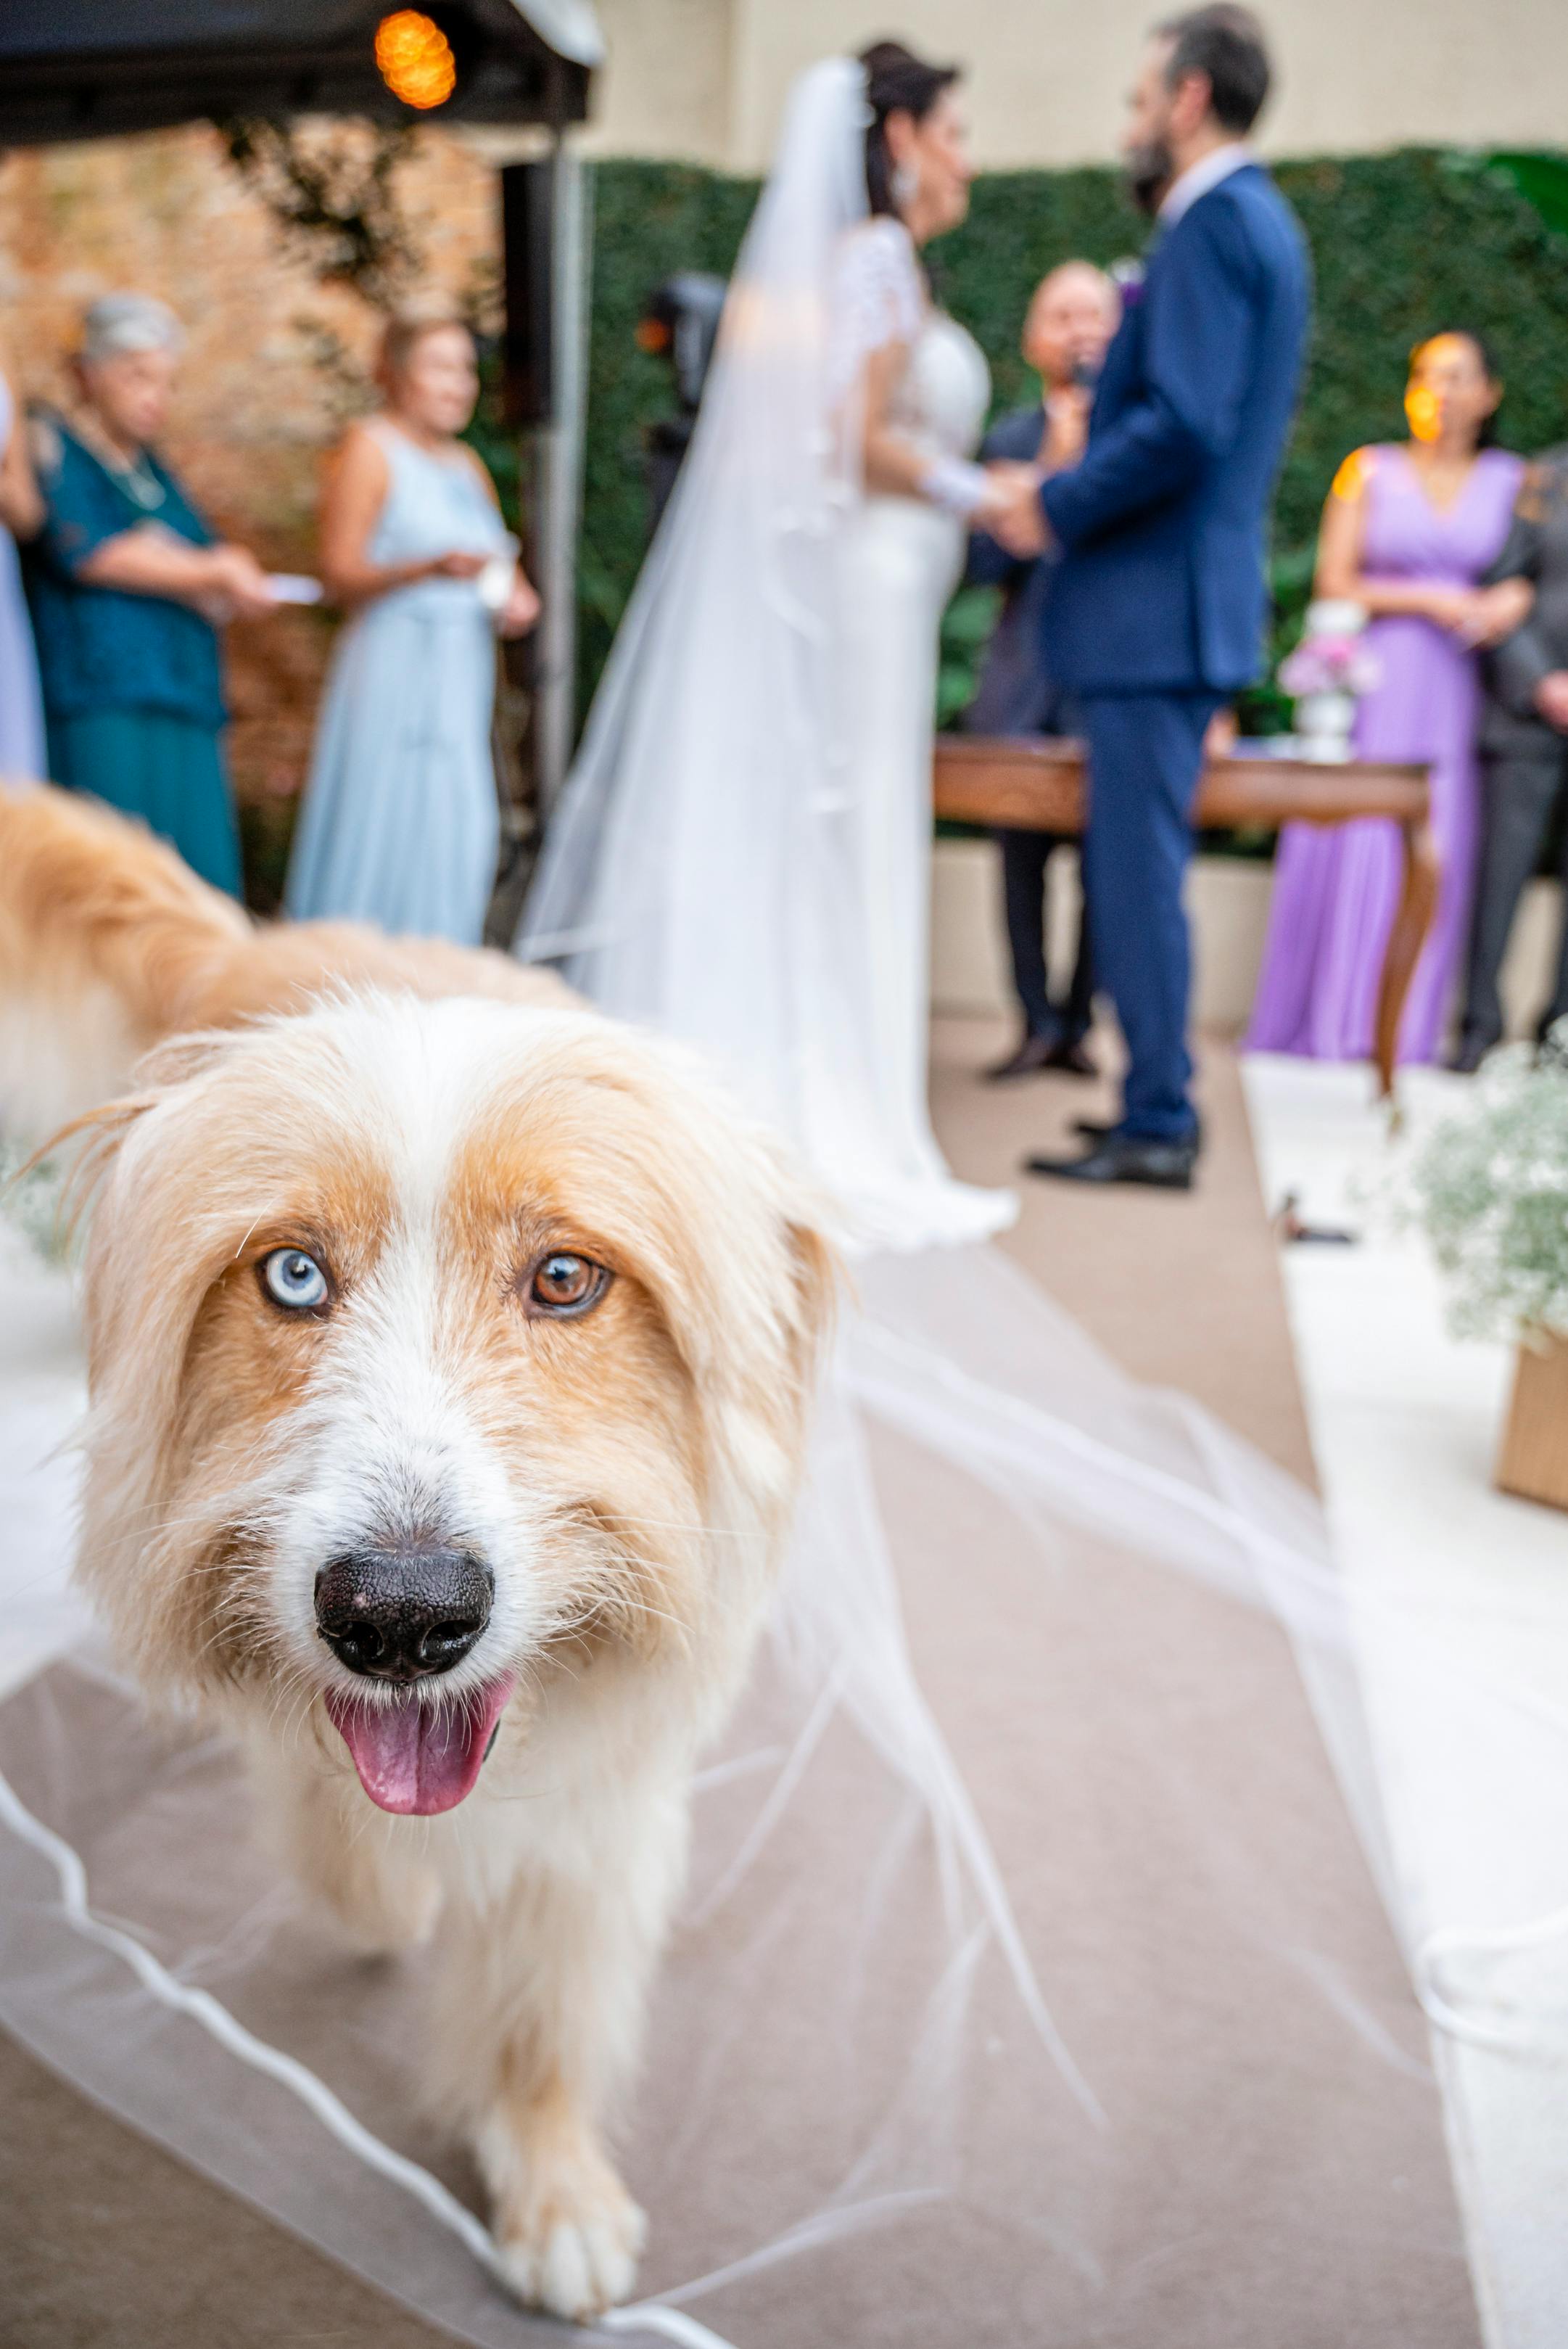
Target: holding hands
221	583
521	610
1477	616
459	565
516	615
1010	511
1551	699
234	587
513	616
1482	616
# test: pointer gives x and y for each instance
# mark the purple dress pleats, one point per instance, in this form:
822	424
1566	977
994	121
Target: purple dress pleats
1336	889
21	706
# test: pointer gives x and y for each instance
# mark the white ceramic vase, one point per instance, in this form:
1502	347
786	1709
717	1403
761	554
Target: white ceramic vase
1324	723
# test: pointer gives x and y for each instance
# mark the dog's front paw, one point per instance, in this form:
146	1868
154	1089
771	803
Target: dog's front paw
568	2232
579	2266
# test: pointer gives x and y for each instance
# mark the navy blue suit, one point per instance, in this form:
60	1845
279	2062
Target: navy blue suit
1016	694
1155	612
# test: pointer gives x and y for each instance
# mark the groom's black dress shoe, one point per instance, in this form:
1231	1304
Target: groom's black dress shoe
1033	1053
1064	1053
1099	1129
1071	1059
1126	1158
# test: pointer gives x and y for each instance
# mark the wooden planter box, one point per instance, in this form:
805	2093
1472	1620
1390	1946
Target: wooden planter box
1534	1460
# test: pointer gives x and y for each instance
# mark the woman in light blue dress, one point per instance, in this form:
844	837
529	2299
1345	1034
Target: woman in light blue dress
401	824
21	513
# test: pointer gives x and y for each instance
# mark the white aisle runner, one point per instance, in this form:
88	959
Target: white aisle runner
43	1395
1405	1420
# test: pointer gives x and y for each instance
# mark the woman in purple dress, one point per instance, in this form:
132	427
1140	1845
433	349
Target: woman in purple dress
21	515
1408	533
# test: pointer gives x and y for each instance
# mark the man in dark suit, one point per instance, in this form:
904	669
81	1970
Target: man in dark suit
1524	753
1070	320
1156	609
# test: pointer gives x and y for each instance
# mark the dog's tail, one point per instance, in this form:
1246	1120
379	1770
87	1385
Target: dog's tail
107	944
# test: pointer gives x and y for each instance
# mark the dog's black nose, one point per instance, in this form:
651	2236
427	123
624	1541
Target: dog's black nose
399	1614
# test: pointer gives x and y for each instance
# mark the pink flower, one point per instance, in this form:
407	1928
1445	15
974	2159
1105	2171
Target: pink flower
1329	664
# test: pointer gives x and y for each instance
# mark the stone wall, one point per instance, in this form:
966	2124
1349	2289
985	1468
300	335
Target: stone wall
276	362
705	79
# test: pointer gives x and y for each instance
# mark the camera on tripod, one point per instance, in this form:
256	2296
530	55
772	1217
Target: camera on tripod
681	321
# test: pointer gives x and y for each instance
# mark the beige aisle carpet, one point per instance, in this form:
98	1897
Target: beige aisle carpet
1298	2189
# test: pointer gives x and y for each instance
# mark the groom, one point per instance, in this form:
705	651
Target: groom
1157	607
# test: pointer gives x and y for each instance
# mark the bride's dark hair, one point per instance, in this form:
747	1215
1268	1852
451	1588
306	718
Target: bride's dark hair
897	82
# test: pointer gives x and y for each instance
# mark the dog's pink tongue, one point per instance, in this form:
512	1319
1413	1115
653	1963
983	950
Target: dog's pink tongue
418	1758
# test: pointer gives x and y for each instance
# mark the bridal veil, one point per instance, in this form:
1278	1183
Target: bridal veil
1028	1949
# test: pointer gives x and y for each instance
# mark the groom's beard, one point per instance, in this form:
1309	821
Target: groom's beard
1150	169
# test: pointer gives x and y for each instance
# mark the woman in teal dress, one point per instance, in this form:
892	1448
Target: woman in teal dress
128	588
400	823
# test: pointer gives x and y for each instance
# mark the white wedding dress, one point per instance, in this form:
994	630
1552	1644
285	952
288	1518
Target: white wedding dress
898	561
742	851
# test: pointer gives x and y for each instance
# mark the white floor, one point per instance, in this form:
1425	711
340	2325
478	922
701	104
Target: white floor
1461	1604
43	1399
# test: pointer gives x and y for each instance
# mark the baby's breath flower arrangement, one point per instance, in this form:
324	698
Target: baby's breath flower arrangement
30	1203
1490	1188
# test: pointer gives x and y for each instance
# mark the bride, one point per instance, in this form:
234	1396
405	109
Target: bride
742	851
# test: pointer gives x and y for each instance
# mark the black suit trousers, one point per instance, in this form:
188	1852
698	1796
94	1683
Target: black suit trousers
1521	790
1026	861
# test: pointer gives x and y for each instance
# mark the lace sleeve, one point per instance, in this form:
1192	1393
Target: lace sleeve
877	297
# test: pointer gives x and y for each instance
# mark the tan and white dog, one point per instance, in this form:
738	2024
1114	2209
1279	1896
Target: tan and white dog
451	1364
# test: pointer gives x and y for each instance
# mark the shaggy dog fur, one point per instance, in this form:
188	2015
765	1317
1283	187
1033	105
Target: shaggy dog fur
621	1467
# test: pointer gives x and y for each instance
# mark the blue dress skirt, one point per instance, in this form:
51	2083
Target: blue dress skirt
400	823
164	770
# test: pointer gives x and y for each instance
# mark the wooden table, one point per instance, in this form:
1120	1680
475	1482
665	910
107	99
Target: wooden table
1040	785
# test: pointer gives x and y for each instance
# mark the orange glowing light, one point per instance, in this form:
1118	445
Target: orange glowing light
415	60
1353	475
1423	410
1423	399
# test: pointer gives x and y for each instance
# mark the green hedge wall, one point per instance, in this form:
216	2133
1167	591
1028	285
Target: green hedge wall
1402	244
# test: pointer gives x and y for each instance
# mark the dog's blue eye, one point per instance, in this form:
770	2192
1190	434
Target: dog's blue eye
295	1280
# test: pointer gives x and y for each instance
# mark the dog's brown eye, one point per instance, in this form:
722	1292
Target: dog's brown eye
564	1284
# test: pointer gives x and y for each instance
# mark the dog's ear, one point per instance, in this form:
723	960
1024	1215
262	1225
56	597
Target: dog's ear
819	1275
762	1363
87	1145
152	1185
90	1143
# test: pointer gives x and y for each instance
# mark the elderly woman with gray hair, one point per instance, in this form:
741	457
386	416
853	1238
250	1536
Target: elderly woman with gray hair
128	588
